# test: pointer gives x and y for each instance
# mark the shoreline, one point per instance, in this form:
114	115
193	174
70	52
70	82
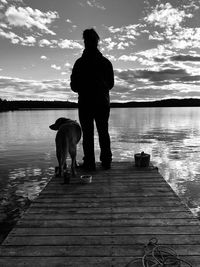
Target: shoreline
6	105
112	107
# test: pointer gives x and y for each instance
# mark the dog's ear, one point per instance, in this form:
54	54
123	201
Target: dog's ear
59	122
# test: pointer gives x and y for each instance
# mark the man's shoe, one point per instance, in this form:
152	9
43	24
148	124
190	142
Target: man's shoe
106	165
87	167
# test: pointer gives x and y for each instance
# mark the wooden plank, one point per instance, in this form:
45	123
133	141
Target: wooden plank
106	223
76	261
123	201
100	231
84	250
56	261
92	216
91	238
99	209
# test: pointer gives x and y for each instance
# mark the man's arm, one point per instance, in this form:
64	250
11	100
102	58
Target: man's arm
110	75
74	84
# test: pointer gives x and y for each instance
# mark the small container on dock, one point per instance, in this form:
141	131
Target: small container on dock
142	160
86	179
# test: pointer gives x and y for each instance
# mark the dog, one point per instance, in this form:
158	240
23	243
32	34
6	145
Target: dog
68	135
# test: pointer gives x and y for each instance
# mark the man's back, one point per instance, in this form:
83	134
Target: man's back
92	77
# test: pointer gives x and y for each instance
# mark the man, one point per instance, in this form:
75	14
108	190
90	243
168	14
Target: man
92	77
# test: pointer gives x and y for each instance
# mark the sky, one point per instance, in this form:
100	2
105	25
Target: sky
154	46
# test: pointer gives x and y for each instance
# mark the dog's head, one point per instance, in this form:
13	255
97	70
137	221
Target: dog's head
58	123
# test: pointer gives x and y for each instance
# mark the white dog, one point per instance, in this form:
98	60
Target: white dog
68	135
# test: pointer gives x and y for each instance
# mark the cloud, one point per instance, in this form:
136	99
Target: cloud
20	89
113	29
111	57
43	57
122	45
44	42
108	43
95	3
167	23
54	66
67	64
3	3
70	44
124	93
33	19
3	25
130	76
122	37
73	26
127	58
29	18
62	43
64	73
28	41
166	16
189	79
185	58
130	85
148	85
150	56
159	59
126	32
68	21
15	39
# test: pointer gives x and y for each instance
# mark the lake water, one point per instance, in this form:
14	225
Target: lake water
170	135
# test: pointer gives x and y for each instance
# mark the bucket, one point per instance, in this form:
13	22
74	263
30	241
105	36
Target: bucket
142	160
86	179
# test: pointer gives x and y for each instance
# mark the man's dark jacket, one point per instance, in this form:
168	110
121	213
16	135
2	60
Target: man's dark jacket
92	78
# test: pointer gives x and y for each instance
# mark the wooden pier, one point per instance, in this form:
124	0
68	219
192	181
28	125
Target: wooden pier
105	223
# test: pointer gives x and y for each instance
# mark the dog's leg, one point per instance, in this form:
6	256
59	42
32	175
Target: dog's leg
76	164
73	166
72	152
63	170
58	154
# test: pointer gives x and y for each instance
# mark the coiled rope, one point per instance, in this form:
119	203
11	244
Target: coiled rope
158	256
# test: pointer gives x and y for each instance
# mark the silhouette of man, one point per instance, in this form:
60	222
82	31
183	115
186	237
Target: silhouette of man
92	77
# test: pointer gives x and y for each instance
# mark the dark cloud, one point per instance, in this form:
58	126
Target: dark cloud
184	94
185	58
152	93
159	59
154	76
191	78
119	89
166	74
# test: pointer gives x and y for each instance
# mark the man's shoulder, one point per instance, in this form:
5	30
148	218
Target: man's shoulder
78	60
106	60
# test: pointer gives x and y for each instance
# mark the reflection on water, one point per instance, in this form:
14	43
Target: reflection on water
170	135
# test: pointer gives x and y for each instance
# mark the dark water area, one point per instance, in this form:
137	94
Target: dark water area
27	152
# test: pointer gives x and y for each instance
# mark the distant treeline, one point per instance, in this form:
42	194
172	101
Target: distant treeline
6	105
187	102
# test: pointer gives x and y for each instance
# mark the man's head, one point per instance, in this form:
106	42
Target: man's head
91	38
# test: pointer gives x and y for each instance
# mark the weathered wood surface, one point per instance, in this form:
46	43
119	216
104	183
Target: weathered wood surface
105	223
